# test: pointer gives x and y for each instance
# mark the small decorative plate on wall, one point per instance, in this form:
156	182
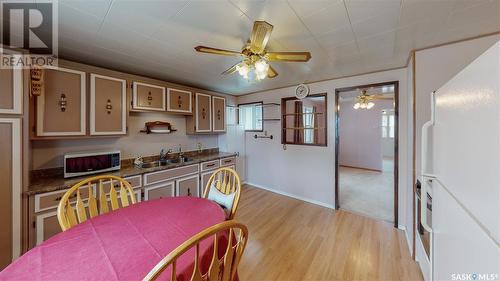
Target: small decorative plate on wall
301	91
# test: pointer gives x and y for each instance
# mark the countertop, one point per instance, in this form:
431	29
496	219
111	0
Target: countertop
53	183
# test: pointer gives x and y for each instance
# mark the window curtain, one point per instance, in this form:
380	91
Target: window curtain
298	136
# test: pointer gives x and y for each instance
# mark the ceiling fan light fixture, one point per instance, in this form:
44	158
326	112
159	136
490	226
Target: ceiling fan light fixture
370	105
356	105
261	66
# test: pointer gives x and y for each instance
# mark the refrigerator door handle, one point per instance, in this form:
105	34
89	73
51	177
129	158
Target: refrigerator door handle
425	176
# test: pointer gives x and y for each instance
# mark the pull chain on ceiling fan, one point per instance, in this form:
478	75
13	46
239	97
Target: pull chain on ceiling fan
255	63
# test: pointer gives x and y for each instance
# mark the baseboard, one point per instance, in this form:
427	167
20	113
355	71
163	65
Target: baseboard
408	240
322	204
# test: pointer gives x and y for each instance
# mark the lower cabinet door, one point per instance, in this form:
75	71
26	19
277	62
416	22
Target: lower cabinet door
188	186
161	190
47	226
204	181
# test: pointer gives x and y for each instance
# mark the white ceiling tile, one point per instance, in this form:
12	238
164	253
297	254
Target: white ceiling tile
98	8
345	52
382	23
278	13
361	10
337	37
145	16
461	18
331	18
72	22
118	38
418	10
306	8
462	4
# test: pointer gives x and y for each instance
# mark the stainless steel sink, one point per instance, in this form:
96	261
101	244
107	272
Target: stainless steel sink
153	164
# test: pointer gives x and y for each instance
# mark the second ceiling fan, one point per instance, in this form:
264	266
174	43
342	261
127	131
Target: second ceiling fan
255	63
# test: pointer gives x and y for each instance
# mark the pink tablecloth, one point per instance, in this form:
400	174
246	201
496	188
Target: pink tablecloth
121	245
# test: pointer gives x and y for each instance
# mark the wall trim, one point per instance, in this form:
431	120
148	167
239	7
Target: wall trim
315	202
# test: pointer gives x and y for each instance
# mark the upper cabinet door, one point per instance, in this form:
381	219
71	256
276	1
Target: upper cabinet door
219	114
108	105
61	107
11	87
148	97
203	113
179	101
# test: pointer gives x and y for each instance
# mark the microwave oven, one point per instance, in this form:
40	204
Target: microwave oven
87	163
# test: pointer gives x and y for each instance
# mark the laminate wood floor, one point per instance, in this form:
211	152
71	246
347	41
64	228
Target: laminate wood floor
293	240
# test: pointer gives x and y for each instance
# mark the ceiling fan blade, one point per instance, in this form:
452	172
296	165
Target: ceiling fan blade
215	51
289	56
231	70
260	36
271	72
381	98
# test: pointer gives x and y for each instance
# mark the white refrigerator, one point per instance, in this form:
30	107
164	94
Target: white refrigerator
461	171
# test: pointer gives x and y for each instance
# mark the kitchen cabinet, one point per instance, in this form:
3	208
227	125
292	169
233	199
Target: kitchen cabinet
148	97
10	193
201	121
179	101
61	109
161	190
209	115
108	105
11	87
218	114
47	226
188	186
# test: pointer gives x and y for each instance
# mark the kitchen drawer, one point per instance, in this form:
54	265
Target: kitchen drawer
210	165
135	182
47	226
228	161
160	176
50	200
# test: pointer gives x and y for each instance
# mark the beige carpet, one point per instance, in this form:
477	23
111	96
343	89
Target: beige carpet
368	193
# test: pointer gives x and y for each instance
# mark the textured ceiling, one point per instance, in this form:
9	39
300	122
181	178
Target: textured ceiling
156	38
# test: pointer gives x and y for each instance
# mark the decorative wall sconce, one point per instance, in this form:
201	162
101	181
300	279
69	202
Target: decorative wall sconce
63	102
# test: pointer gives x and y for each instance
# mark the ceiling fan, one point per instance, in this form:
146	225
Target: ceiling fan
255	63
365	100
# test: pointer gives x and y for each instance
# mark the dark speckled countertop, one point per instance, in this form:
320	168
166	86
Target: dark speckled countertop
42	184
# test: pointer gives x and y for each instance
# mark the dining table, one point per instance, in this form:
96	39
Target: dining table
124	244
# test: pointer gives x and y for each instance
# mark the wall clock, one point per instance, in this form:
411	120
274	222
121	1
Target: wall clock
301	91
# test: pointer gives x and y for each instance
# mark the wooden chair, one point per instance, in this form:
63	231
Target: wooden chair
66	212
221	268
228	182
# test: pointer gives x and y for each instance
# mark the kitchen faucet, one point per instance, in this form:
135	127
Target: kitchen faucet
164	155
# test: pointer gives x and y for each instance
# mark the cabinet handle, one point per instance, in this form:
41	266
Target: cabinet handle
150	98
211	165
63	102
218	114
189	192
109	106
203	113
179	101
227	161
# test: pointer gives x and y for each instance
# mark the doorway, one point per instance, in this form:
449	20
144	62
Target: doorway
366	150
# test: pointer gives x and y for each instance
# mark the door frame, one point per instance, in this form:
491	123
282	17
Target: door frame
396	141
